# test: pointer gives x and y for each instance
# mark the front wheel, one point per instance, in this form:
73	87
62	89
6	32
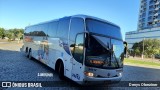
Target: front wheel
61	71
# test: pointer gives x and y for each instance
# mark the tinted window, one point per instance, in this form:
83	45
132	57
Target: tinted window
103	28
77	26
29	31
118	49
44	28
52	28
33	31
97	45
37	30
78	49
63	28
41	30
26	32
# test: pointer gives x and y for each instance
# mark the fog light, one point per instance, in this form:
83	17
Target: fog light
89	74
120	74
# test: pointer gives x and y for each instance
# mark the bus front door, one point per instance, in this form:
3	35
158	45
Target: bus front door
77	60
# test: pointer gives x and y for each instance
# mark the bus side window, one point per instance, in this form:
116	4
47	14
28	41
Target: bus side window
43	30
77	26
63	27
78	48
52	29
30	31
26	32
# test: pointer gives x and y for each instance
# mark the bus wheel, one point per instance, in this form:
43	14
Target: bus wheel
26	52
61	71
30	55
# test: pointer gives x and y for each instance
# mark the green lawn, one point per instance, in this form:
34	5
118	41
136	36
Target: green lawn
140	62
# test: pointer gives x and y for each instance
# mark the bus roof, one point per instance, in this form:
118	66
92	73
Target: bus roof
92	17
42	23
80	16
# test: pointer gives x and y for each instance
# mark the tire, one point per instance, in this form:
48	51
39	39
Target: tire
30	55
61	71
26	52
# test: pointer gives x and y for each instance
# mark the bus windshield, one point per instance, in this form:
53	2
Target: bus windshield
103	28
105	46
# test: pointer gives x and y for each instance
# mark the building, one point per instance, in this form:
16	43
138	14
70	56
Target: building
149	14
148	23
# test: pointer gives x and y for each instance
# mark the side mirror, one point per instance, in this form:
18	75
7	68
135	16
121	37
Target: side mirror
112	48
86	41
125	48
72	45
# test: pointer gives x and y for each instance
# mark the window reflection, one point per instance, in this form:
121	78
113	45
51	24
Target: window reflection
78	49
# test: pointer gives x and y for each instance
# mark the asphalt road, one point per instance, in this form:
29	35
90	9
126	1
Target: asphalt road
14	66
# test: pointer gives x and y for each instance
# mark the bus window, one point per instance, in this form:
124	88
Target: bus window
103	28
33	31
63	28
26	32
52	28
78	48
42	30
77	26
29	30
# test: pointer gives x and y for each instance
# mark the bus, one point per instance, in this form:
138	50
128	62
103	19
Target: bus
83	48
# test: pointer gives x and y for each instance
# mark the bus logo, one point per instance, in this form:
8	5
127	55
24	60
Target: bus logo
6	84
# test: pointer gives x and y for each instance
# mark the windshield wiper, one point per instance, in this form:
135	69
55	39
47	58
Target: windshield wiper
115	59
112	53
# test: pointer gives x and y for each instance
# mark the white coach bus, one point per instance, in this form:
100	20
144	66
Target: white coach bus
80	47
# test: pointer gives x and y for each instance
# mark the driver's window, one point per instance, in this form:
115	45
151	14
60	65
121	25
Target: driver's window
78	49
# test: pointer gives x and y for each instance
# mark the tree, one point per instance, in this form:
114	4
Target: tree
12	34
151	47
8	34
136	49
16	33
2	33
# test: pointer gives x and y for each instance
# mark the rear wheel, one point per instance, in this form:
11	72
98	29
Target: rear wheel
26	52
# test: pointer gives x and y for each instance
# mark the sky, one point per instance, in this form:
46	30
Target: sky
21	13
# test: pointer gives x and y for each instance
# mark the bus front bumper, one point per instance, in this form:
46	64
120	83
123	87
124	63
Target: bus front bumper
96	80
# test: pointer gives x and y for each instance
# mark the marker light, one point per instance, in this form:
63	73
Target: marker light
89	74
120	74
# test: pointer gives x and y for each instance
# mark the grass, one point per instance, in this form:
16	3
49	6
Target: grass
140	62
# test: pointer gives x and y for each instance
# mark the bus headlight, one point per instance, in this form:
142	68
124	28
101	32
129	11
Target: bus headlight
90	74
119	72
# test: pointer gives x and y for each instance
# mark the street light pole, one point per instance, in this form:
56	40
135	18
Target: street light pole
143	48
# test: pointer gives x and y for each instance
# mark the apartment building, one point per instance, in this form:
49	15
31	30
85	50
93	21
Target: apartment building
149	14
148	23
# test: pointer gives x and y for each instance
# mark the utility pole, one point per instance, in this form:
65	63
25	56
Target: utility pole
143	49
